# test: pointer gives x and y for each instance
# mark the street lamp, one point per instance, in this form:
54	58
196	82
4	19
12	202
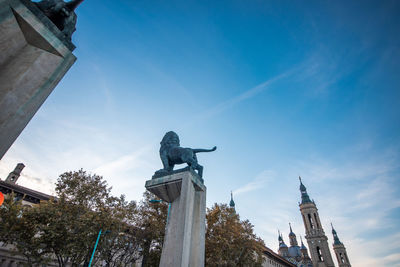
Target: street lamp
95	246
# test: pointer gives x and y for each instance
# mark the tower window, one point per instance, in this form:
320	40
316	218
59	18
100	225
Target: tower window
341	257
347	259
304	219
310	219
319	252
316	220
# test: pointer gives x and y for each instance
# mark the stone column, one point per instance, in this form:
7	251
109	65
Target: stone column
34	57
184	242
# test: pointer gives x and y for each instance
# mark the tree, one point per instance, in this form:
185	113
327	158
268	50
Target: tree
121	245
85	207
67	227
16	229
229	241
151	220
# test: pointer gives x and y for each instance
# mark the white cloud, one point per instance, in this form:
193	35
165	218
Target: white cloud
259	182
360	196
249	93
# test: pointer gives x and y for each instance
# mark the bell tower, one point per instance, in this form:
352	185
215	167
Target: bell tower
340	250
232	203
315	235
14	175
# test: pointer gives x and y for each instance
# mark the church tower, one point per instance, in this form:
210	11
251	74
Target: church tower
232	203
14	175
315	235
294	249
283	249
340	250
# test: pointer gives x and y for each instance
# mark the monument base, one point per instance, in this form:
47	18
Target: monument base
184	242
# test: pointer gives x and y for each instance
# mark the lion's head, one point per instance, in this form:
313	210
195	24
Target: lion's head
170	139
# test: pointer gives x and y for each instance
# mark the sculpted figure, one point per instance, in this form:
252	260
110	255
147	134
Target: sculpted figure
171	154
61	14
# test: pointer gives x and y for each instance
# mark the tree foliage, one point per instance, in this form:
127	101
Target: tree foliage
230	241
152	218
65	229
16	229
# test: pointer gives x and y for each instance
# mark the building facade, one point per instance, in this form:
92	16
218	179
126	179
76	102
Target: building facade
275	260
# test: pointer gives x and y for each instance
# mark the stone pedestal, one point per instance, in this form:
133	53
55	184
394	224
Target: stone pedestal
184	243
34	57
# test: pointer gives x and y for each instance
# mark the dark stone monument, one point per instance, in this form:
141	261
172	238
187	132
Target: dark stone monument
61	13
172	154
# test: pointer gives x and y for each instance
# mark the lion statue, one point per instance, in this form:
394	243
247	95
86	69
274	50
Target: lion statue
171	154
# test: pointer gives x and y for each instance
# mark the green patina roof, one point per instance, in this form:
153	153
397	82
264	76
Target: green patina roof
305	198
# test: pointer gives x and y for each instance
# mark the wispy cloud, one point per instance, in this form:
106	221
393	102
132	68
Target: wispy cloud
319	71
248	94
257	183
124	162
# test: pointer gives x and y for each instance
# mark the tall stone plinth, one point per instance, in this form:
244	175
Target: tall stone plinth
34	57
184	242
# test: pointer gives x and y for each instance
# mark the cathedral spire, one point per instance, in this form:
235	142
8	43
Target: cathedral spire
304	196
292	237
302	244
335	236
340	250
283	249
232	203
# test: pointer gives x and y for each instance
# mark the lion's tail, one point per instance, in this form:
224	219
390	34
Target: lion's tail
197	150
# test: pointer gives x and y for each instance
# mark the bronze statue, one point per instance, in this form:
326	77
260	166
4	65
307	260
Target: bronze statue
61	14
171	154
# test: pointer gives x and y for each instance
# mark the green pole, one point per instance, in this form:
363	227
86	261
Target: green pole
94	249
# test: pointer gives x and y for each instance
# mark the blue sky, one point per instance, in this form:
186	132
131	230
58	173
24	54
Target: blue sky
283	88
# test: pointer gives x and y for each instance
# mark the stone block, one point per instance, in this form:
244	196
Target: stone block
34	57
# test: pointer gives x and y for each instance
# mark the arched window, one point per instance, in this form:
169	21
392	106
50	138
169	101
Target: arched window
316	220
341	258
310	219
347	259
319	252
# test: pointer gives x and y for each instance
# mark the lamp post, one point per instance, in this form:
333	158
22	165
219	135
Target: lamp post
95	246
